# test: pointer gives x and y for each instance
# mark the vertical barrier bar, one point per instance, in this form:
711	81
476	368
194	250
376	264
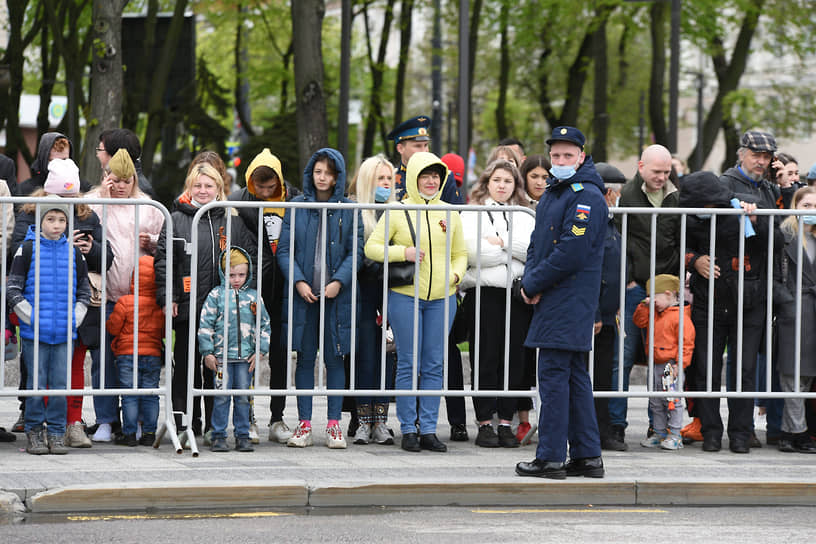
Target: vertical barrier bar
4	276
797	357
769	307
712	240
354	264
418	224
477	338
508	301
740	304
263	239
35	315
321	361
69	234
446	321
291	287
622	305
650	370
136	248
681	375
384	315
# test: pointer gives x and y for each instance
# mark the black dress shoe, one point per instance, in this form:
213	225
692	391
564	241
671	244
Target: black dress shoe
553	470
712	443
611	443
754	441
410	442
431	442
589	467
458	433
739	446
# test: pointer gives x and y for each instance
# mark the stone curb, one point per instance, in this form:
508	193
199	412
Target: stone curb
297	494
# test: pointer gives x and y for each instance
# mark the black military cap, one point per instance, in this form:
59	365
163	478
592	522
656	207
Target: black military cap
567	134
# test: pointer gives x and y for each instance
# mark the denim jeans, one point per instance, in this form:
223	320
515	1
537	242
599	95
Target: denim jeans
106	407
52	374
135	408
430	359
238	377
304	372
632	345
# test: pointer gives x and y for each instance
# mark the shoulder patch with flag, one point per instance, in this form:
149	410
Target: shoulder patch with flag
582	212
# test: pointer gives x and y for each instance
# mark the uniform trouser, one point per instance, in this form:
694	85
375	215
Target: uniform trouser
740	410
567	410
794	420
605	359
491	368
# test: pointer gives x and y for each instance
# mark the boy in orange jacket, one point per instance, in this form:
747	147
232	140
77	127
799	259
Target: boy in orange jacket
667	413
144	408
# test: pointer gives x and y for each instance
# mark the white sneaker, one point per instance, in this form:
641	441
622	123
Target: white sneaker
382	434
652	441
363	434
279	432
254	437
301	438
103	433
334	437
75	436
672	442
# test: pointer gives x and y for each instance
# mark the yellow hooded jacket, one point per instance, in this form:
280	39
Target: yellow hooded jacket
433	284
266	158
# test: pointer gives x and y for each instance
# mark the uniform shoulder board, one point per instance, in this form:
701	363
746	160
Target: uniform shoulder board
577	187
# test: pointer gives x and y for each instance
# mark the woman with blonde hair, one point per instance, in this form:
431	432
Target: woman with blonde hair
119	222
203	185
372	184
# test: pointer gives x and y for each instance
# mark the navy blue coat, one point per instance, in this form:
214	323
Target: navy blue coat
340	236
564	261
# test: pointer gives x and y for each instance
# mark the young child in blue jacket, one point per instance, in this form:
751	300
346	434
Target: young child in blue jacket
43	314
239	303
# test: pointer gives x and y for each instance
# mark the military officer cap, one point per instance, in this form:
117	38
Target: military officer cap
760	142
416	128
567	134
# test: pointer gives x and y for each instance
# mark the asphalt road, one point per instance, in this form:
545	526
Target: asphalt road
584	524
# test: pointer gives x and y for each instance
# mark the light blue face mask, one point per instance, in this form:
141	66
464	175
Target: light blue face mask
381	194
809	219
563	172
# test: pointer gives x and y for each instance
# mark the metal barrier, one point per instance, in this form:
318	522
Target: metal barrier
104	243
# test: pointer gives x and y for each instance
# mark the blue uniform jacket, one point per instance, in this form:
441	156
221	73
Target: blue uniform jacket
340	236
564	261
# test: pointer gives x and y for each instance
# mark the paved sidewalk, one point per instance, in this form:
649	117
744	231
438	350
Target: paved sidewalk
108	477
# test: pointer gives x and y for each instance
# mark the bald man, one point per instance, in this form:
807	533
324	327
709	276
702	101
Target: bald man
650	188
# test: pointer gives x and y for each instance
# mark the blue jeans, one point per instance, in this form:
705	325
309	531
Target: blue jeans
430	360
238	377
52	374
106	407
135	408
304	371
632	346
368	370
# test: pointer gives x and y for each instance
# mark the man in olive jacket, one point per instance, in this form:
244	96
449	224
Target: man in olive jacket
650	188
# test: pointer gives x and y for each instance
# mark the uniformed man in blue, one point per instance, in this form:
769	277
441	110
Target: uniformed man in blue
411	136
562	279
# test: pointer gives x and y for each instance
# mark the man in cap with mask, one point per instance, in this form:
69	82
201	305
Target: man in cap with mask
563	271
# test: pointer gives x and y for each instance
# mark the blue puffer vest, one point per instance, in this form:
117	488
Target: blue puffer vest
53	314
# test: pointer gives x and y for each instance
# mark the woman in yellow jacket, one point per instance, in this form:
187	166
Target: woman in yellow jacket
425	178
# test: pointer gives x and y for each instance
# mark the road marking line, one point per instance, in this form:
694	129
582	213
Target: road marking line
108	517
573	510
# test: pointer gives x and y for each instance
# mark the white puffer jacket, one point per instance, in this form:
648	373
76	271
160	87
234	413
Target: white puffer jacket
493	258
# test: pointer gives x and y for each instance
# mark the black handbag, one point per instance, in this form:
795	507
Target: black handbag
402	273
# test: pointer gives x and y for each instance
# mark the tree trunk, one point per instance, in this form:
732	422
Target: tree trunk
600	105
657	114
107	81
375	114
50	66
502	130
472	46
241	80
406	13
728	77
135	95
307	21
158	80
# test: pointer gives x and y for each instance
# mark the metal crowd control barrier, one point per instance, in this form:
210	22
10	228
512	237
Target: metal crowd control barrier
714	213
475	391
22	391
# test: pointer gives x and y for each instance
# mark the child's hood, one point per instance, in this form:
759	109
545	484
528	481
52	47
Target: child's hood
339	164
222	268
147	278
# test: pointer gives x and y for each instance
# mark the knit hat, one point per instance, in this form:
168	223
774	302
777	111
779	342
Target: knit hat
663	283
48	203
236	257
63	178
456	165
121	165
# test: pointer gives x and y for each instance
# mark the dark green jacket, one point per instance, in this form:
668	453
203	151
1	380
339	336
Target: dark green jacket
638	239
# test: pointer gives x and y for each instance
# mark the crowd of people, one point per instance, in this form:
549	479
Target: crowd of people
529	293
